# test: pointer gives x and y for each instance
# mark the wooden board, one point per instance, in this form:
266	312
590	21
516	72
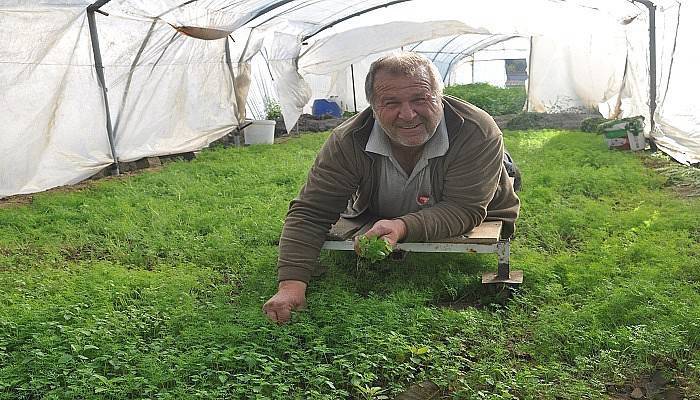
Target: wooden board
489	232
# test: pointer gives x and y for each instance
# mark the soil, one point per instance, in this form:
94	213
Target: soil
657	386
571	121
684	181
17	200
26	199
685	188
489	295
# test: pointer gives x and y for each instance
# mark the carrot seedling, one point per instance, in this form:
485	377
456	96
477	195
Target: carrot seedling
373	248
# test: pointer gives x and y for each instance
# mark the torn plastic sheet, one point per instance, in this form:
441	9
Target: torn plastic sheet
292	90
203	33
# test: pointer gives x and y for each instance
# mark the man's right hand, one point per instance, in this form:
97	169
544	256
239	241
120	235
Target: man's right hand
290	296
392	230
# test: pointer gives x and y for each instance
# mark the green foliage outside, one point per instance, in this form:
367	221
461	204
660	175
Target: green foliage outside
273	110
150	286
593	124
492	99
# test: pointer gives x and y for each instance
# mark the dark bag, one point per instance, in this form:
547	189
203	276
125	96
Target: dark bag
513	171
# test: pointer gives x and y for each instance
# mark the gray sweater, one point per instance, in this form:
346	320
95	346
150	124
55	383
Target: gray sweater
470	184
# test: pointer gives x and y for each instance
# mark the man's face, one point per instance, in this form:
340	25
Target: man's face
406	108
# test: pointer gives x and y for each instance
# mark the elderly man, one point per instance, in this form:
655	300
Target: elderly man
430	166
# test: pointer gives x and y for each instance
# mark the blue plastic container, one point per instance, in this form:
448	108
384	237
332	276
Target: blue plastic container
323	107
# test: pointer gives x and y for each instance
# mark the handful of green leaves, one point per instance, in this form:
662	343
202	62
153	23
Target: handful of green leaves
373	248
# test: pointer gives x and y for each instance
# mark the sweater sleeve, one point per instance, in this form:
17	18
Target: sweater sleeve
332	180
473	169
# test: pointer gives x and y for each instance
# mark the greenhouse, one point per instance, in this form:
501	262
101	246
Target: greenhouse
143	233
86	85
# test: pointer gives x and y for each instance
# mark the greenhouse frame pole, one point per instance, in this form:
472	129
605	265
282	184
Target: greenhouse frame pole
652	60
347	17
95	7
352	77
529	76
473	66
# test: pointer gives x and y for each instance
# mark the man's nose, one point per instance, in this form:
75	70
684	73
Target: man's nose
406	112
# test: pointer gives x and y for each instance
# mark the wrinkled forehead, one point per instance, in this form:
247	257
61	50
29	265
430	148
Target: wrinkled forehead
387	83
419	72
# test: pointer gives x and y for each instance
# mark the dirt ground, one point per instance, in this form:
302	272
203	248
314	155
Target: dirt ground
550	121
683	181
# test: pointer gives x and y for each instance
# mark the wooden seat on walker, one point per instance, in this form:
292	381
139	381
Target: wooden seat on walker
485	238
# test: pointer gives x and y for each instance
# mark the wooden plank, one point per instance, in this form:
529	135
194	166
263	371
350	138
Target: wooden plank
448	247
347	245
489	232
342	245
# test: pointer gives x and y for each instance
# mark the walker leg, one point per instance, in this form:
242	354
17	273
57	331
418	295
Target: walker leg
504	274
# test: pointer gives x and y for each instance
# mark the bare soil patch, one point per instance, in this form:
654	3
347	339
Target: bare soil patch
660	385
568	121
681	179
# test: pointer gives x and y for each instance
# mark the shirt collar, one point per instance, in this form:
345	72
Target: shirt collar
436	146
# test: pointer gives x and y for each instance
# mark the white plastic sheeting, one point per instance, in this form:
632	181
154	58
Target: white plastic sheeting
576	74
586	64
678	112
180	97
52	123
448	51
470	58
486	65
170	92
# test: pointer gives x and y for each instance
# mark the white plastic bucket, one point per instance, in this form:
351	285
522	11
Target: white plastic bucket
260	132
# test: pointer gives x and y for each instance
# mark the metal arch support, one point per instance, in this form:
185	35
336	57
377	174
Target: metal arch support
444	46
97	5
267	10
99	69
652	59
416	45
354	95
529	76
481	44
353	15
